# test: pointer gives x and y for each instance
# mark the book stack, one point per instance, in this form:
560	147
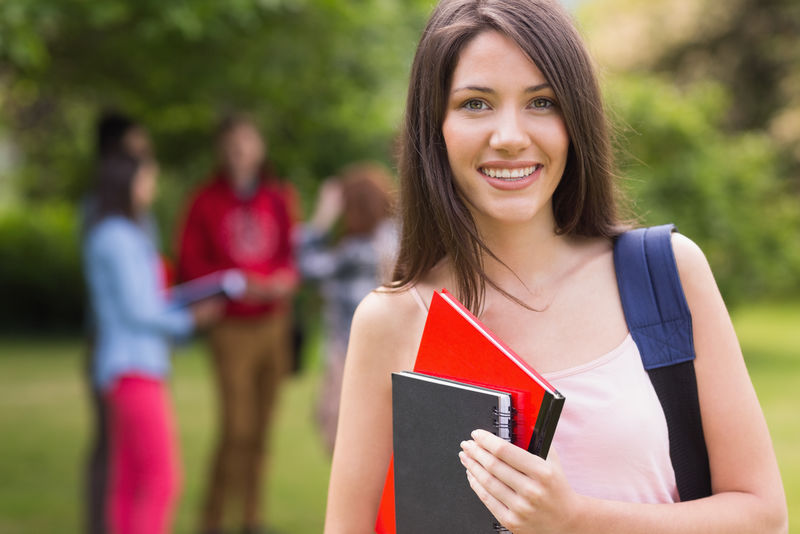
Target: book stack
464	378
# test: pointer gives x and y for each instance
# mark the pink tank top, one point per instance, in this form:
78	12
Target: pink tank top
612	436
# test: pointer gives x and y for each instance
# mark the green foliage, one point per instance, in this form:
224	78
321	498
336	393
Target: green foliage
40	271
723	190
325	78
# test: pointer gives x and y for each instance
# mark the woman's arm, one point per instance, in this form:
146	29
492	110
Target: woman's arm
384	338
117	249
528	494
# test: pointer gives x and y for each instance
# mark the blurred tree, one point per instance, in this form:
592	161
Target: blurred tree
325	78
722	189
752	47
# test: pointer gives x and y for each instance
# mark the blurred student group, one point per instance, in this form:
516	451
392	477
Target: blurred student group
243	220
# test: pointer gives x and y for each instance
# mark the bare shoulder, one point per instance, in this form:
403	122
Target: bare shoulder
391	321
693	268
383	310
688	254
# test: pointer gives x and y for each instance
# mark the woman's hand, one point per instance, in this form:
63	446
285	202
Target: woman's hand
524	492
207	312
330	204
279	285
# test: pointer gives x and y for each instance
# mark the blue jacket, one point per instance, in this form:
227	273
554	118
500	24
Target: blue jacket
133	320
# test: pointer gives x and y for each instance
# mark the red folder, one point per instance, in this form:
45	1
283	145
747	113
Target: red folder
456	345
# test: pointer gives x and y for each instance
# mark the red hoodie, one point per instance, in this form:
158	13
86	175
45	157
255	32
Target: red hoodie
223	231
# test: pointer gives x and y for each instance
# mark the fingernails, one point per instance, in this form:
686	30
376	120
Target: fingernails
474	434
466	444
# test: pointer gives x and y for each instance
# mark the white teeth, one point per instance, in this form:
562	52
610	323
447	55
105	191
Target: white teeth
521	172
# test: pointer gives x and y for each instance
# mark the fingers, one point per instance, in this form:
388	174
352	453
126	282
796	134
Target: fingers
497	508
519	488
516	457
492	476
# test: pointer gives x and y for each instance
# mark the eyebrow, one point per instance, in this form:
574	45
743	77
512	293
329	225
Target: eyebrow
489	90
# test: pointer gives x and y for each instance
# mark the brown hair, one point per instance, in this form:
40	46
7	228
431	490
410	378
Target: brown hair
231	121
113	193
435	221
367	191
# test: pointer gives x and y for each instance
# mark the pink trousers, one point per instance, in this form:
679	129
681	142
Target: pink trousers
144	478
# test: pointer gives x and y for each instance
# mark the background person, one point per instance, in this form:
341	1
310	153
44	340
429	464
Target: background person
242	218
347	248
133	325
508	200
115	133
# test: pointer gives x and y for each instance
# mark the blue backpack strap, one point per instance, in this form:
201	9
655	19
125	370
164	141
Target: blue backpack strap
661	325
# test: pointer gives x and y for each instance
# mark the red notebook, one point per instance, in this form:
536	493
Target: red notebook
456	345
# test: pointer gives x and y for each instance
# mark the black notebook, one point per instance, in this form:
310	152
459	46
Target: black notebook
431	416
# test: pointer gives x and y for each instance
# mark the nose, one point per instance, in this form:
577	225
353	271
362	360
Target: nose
509	134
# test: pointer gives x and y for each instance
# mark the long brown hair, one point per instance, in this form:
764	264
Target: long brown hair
113	193
435	221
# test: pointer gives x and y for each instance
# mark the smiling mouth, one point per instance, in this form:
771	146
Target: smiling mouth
510	175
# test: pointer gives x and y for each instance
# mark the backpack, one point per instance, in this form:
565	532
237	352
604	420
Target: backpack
661	325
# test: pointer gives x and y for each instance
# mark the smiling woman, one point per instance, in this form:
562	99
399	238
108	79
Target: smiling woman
508	200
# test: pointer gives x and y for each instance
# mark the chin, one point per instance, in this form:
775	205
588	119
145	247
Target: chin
507	217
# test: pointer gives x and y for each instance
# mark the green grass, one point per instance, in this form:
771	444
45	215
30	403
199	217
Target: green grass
770	339
44	422
44	426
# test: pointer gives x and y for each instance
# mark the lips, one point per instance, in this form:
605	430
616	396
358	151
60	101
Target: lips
509	173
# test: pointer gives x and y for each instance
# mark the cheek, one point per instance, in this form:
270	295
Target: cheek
557	140
457	143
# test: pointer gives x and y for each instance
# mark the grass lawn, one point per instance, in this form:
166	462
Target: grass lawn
44	425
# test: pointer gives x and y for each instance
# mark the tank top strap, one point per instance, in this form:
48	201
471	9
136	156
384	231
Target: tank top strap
418	298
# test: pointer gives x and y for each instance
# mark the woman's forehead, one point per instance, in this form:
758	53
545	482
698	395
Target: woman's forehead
492	58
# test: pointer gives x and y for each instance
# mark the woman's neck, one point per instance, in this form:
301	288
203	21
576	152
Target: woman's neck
530	253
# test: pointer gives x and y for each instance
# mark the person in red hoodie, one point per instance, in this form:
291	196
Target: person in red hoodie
242	219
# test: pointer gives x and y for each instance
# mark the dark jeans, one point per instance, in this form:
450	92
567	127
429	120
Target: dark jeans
97	468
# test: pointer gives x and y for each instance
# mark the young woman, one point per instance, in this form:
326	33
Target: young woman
508	199
131	348
347	261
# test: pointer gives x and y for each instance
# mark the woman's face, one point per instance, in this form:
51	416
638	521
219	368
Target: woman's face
506	139
136	142
143	187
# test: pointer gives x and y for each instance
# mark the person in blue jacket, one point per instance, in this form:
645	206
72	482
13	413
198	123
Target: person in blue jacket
115	132
134	326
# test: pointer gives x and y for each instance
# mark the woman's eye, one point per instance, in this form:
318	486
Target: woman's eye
542	103
474	105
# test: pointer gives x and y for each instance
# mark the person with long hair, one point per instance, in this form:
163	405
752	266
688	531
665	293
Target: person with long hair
134	324
115	133
508	200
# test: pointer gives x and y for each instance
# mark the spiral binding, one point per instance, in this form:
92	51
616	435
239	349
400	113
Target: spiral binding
505	420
